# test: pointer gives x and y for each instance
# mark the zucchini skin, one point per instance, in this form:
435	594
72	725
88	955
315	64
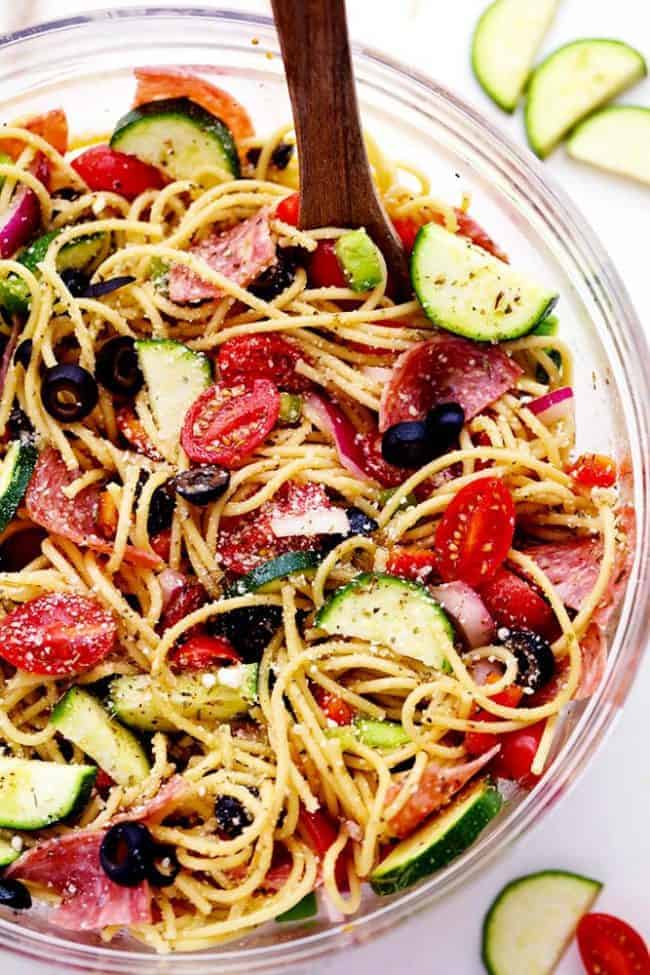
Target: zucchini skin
449	846
186	108
20	477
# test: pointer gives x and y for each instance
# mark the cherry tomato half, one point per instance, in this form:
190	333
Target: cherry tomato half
518	749
406	229
58	635
417	564
594	470
324	270
609	946
476	532
203	651
185	600
226	423
288	210
476	742
103	168
333	707
263	356
320	832
512	602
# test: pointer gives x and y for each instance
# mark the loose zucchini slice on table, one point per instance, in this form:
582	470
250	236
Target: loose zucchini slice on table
438	842
505	43
15	472
465	290
35	794
82	720
208	697
573	82
616	139
397	614
181	138
532	921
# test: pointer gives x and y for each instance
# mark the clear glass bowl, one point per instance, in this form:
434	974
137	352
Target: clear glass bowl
85	64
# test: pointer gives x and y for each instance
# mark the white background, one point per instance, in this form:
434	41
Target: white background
603	827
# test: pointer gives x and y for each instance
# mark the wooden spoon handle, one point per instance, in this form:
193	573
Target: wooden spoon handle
336	187
318	66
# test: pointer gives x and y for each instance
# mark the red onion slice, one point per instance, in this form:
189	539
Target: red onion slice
321	521
554	406
20	222
345	436
170	582
468	612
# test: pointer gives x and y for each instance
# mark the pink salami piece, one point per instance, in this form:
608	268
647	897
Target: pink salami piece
446	369
593	650
240	254
69	866
438	784
73	518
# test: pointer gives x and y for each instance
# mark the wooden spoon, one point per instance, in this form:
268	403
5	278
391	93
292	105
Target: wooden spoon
336	188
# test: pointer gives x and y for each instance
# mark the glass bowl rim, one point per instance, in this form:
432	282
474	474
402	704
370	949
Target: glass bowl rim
632	351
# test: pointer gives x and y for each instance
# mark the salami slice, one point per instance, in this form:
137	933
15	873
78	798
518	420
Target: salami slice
571	566
593	650
73	518
240	254
248	541
436	787
446	369
69	866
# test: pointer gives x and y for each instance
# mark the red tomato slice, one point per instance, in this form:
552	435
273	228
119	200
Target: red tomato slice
417	564
162	543
476	532
202	651
324	270
134	433
512	602
51	126
518	749
248	541
262	356
155	83
103	168
334	707
227	423
407	230
320	832
609	946
288	210
594	470
478	743
57	635
183	601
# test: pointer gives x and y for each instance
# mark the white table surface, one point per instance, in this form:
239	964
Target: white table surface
601	827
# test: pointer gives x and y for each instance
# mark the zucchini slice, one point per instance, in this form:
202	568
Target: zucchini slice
616	139
384	735
75	255
573	82
181	138
302	911
7	853
505	44
533	919
210	697
392	612
465	290
82	720
175	377
359	260
35	794
440	841
15	472
281	567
